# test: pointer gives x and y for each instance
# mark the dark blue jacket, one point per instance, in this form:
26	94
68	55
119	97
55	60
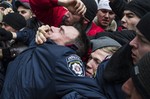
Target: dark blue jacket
110	90
48	71
26	36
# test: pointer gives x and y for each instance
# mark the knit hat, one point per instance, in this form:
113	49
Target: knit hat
91	9
139	7
140	76
5	4
104	4
143	26
15	20
104	42
24	3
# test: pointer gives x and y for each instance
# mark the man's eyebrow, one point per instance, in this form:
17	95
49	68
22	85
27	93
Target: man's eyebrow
128	13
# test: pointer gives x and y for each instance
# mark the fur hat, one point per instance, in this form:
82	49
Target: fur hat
91	9
104	42
139	7
143	26
24	3
140	76
15	20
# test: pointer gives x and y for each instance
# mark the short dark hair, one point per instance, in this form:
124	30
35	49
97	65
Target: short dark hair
82	42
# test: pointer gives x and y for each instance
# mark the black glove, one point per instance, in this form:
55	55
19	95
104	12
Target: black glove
5	35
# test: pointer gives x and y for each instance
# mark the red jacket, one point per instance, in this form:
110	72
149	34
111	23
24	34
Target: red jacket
48	11
94	30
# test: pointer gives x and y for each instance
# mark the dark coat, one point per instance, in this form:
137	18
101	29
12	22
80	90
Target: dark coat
45	72
111	90
26	36
112	74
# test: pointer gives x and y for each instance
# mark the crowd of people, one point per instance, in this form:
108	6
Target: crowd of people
74	49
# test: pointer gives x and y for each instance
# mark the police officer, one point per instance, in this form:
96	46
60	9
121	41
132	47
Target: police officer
51	70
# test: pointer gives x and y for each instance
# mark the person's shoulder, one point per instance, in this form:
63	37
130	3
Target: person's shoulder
53	48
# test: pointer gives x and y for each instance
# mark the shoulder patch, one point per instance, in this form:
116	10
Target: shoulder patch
75	65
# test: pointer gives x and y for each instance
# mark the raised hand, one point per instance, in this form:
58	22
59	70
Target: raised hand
74	6
42	34
8	10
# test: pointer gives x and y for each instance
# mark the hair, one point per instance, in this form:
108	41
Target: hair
111	49
82	42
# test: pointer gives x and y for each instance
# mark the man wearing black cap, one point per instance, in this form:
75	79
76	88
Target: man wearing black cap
131	12
10	25
138	85
13	22
141	43
24	9
49	12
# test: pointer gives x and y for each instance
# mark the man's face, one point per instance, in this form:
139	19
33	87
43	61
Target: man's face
105	17
129	20
140	46
63	35
130	90
71	19
26	13
95	59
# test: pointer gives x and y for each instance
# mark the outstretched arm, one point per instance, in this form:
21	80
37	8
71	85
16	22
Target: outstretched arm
51	12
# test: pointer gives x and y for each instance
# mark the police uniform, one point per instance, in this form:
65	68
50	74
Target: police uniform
47	71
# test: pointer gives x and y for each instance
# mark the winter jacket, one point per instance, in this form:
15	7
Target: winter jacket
48	11
94	30
109	89
48	71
